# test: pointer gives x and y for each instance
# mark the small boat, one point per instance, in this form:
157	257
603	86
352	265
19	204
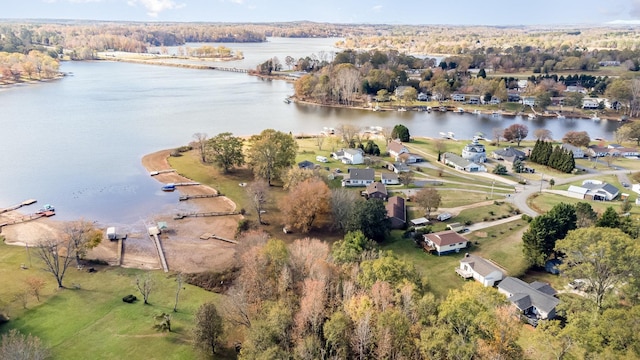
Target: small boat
460	110
447	135
560	116
169	187
477	112
479	136
531	117
496	113
595	117
428	108
442	108
402	109
287	101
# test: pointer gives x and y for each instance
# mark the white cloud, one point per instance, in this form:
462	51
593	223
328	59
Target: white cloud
377	8
155	7
238	1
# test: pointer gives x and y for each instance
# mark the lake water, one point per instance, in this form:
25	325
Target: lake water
77	143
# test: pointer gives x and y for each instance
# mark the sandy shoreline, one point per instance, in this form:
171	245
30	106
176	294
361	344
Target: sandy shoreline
183	248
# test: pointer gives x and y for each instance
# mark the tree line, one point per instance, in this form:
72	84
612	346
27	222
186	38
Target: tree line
555	157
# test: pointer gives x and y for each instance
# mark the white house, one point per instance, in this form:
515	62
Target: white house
480	269
461	164
353	157
534	300
590	103
594	190
529	101
389	178
396	148
457	97
474	152
359	177
577	152
445	242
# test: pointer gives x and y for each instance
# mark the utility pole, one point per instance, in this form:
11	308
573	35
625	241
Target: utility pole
541	180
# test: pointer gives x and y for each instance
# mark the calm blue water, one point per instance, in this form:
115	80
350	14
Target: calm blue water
77	142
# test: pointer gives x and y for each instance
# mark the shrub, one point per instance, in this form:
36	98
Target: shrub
243	225
185	148
129	299
468	222
492	213
527	218
217	282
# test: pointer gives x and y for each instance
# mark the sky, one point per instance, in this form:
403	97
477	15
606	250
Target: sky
414	12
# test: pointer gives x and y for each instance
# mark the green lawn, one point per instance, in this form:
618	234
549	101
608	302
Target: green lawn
93	321
545	201
502	244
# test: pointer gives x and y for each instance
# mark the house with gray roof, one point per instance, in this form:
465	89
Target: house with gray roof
482	270
461	164
359	177
594	190
389	178
534	300
508	154
577	152
474	152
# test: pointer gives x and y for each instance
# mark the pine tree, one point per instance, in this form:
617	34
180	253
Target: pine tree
535	153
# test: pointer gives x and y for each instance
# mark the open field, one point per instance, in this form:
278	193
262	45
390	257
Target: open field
93	321
545	201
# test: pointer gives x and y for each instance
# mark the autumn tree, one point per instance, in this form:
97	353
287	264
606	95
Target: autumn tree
83	236
258	193
351	247
440	146
605	257
271	152
630	131
225	151
208	328
305	203
406	178
35	286
516	132
542	134
577	138
428	199
55	263
200	143
574	99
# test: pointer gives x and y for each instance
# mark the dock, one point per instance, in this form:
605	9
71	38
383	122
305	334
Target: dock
207	236
186	184
181	216
29	217
18	206
154	173
187	197
153	233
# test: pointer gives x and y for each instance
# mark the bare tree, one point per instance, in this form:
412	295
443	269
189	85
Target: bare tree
320	141
342	202
406	178
385	131
179	287
348	132
542	134
497	134
258	192
56	264
34	286
235	307
201	142
145	284
15	345
362	335
428	199
83	236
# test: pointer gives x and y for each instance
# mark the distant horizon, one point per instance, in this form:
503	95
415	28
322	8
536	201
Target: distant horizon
378	12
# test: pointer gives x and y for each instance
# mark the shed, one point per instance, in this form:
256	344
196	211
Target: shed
111	233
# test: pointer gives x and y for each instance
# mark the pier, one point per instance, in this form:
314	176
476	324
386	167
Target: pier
29	217
187	197
186	184
207	236
186	215
231	69
153	233
18	206
154	173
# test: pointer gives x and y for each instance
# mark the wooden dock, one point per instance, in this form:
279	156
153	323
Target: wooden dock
186	184
202	196
186	215
154	173
163	260
207	236
230	69
18	206
29	217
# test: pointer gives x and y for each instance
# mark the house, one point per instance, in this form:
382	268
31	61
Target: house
306	165
627	152
594	190
534	300
590	103
461	164
576	88
409	158
423	97
457	97
389	178
557	101
398	167
376	190
474	100
397	212
494	101
474	152
359	177
353	156
513	97
396	148
529	101
508	154
522	84
482	270
597	151
577	152
445	242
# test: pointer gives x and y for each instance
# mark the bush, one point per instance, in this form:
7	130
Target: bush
130	299
243	225
468	222
492	213
4	318
185	148
217	282
527	218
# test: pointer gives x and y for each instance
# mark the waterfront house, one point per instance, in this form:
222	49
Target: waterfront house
597	151
358	177
457	97
577	152
482	270
590	103
396	148
508	154
397	212
461	164
474	152
535	300
445	242
529	101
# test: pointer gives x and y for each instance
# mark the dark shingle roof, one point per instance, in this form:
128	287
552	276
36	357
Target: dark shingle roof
523	294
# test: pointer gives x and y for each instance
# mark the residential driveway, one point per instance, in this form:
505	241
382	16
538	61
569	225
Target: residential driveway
486	224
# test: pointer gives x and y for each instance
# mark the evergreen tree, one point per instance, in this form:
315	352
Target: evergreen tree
540	239
609	219
482	74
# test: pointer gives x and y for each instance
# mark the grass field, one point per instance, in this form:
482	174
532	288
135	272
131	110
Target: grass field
545	201
502	244
93	321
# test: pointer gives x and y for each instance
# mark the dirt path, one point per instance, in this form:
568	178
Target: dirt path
183	248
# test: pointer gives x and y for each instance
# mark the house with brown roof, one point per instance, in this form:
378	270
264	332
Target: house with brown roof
376	190
396	148
482	270
445	242
397	212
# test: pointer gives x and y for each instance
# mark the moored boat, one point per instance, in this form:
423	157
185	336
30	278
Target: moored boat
169	187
